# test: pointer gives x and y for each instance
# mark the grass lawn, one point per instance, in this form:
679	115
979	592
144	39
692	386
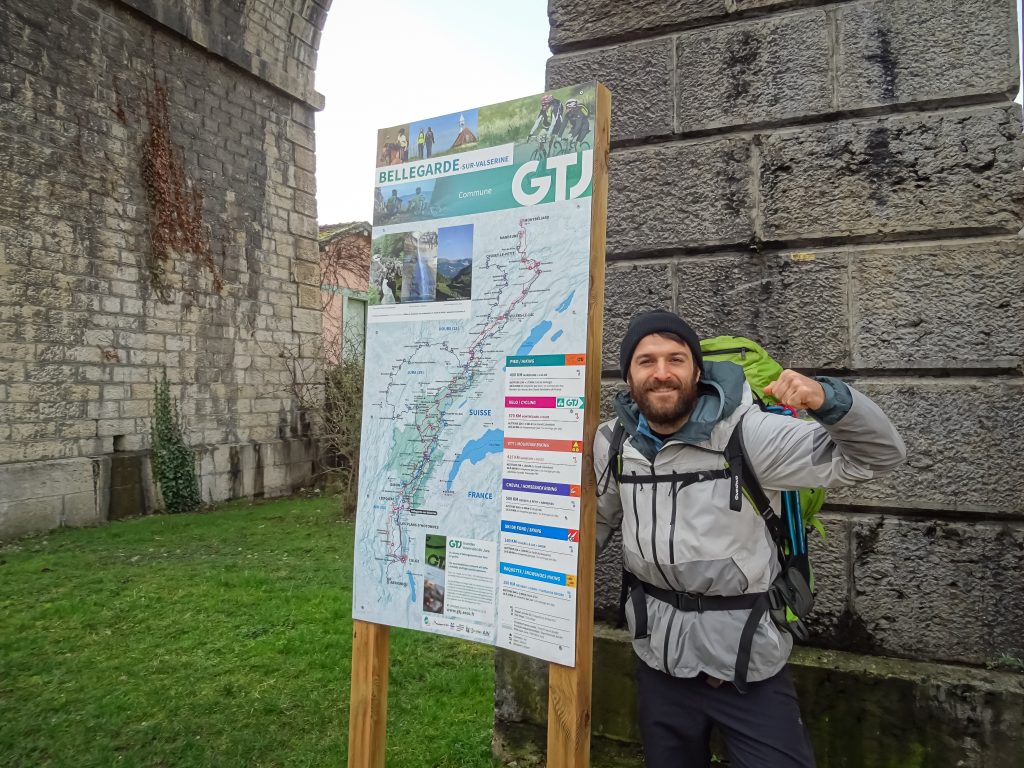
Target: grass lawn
215	639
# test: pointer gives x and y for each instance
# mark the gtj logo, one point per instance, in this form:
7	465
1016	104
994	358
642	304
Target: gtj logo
454	544
540	184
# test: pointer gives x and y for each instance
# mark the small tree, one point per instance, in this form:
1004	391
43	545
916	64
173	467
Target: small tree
173	461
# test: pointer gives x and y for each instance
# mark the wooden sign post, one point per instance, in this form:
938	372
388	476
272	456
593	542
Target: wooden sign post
566	130
569	688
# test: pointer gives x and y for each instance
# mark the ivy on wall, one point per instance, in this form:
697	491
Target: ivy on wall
174	464
176	202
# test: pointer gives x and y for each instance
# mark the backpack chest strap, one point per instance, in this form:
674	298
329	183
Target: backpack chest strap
678	479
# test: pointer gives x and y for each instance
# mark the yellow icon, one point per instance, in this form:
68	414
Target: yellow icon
570	580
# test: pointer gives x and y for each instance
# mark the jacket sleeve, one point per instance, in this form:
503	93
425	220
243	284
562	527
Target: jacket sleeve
609	505
788	453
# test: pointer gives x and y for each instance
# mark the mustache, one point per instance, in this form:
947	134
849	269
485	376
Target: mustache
651	386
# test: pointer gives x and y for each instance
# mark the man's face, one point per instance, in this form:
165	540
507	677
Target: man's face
663	379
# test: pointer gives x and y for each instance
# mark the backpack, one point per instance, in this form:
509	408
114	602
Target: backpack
791	596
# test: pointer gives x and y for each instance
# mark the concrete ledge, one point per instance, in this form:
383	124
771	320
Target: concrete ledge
861	710
40	496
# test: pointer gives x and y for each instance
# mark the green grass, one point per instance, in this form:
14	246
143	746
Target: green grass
214	639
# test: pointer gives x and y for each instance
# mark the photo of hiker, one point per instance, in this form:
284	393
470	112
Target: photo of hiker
421	141
447	134
393	145
454	263
403	203
419	266
386	270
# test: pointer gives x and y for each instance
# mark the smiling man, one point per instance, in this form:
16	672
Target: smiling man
703	573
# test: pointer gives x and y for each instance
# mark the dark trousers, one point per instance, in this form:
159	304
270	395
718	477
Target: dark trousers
761	729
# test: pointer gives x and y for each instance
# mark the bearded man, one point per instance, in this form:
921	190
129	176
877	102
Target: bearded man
701	563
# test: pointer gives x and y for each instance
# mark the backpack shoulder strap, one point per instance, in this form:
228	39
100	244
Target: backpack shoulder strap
786	533
613	469
743	477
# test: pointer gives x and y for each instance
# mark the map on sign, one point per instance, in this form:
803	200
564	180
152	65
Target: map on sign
470	470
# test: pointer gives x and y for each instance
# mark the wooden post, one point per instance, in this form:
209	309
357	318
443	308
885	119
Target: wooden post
569	688
368	705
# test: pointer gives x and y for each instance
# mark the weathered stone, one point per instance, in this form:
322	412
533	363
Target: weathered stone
921	50
860	711
766	70
577	21
679	195
608	580
574	21
793	304
639	76
81	509
956	306
629	289
945	172
965	464
609	388
830	559
56	478
18	518
940	590
76	255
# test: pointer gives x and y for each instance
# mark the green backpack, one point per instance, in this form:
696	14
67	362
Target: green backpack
760	370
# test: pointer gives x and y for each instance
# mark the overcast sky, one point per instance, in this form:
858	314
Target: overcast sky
386	62
383	63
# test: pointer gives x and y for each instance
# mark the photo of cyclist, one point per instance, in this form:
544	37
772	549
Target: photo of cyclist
549	118
577	118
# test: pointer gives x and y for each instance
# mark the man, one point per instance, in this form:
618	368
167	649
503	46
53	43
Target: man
698	561
403	144
429	140
549	117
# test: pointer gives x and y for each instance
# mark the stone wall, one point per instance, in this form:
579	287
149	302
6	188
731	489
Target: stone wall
841	181
83	334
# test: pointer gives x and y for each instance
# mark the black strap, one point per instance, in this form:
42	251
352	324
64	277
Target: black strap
743	474
635	590
683	479
613	469
686	601
757	612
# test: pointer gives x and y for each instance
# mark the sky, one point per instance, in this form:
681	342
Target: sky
382	64
386	63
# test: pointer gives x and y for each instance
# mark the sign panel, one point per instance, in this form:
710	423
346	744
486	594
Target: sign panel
471	464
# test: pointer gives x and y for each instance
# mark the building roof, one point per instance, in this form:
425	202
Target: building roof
330	231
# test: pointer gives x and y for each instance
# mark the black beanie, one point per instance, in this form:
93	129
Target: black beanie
657	321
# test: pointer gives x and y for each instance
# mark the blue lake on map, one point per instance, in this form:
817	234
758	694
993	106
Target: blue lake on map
539	331
475	451
556	335
565	304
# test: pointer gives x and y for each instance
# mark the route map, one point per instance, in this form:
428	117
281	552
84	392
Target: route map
469	487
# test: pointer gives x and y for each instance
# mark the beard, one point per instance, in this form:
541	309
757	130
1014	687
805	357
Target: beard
665	410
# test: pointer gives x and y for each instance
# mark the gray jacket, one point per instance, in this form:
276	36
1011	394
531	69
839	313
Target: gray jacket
687	538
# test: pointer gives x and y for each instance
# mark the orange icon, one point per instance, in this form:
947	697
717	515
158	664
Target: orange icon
575	446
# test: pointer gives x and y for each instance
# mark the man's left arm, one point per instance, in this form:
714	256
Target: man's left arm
850	440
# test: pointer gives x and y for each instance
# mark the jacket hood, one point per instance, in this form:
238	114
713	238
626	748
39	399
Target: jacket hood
719	393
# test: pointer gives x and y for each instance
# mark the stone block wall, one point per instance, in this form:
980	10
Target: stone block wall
83	336
842	181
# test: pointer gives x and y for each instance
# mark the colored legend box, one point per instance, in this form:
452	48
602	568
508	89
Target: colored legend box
531	444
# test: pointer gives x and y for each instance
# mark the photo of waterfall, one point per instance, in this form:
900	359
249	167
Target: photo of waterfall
419	266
